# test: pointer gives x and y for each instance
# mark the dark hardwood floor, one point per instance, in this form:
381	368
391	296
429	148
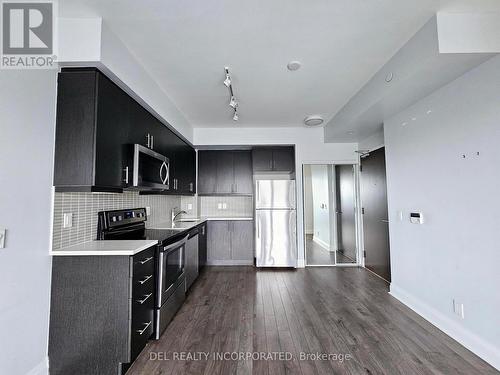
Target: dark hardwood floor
343	311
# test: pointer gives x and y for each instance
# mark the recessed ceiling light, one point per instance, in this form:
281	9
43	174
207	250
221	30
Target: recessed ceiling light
413	119
293	65
429	111
313	120
404	123
350	132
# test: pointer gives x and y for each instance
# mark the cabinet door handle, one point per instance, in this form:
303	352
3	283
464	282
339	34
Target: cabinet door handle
152	142
148	137
145	260
125	179
141	301
145	279
141	331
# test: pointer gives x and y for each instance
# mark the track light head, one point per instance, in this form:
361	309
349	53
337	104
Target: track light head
227	81
233	103
235	116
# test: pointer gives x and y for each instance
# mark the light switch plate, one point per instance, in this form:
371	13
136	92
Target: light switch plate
3	232
67	220
189	206
148	211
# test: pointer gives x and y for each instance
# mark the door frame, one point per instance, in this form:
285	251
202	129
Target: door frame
357	212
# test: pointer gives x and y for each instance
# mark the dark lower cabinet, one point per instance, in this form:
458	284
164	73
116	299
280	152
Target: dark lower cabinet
101	312
202	246
224	172
274	159
230	242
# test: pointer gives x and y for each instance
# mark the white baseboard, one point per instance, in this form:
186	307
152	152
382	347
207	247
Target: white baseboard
471	341
309	231
321	243
41	369
214	262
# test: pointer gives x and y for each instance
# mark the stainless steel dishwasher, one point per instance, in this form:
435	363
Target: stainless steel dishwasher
191	269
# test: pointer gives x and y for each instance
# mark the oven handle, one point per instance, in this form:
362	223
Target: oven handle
175	245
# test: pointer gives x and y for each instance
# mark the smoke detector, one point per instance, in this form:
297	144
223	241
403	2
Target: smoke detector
293	65
313	120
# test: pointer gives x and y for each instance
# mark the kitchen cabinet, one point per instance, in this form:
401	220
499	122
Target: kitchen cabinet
92	129
274	159
191	249
102	308
219	241
222	172
242	240
230	242
96	126
202	246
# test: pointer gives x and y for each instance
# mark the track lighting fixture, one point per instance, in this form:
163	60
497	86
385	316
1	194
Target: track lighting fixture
233	103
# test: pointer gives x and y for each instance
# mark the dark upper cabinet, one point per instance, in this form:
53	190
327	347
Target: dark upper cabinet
97	124
207	172
225	172
92	129
243	175
274	159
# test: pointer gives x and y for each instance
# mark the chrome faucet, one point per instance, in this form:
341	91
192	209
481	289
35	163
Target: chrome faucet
174	215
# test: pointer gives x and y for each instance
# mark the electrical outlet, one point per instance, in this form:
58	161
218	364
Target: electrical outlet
189	206
148	211
3	232
219	206
224	206
458	309
67	220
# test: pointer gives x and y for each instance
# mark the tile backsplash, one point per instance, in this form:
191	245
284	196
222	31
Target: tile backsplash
85	206
224	206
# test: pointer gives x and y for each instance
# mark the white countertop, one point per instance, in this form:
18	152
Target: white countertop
116	247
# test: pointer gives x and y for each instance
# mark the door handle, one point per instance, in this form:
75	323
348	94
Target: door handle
145	260
141	331
125	179
384	221
141	301
145	279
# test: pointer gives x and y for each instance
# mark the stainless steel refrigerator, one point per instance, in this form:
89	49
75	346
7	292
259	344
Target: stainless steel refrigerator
275	223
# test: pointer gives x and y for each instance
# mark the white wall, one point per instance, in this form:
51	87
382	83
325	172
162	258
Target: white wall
309	148
89	42
308	201
321	205
456	253
373	142
27	120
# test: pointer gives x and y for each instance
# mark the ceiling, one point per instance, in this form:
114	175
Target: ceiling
341	44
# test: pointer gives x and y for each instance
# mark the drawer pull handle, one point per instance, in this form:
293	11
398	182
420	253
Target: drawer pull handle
141	331
145	260
141	301
145	279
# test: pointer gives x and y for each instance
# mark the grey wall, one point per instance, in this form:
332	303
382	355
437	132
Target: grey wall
27	100
433	166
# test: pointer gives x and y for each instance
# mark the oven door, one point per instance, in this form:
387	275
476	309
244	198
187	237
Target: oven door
151	169
171	261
